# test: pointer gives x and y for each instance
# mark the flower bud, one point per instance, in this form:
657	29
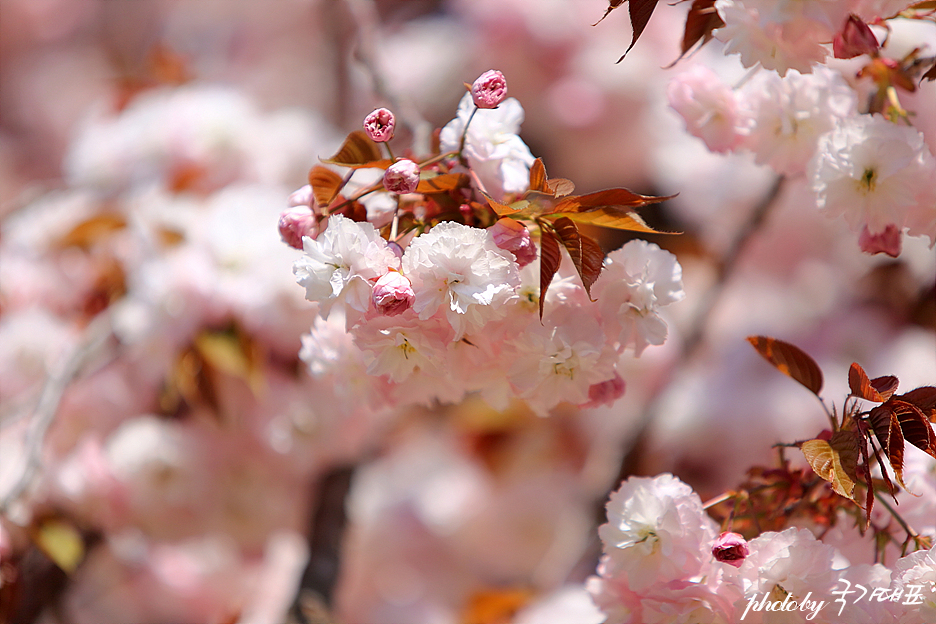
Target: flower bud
402	177
887	242
512	236
296	222
606	392
730	548
379	125
301	197
854	40
489	89
393	294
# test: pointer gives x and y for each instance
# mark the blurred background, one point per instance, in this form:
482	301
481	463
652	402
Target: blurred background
166	456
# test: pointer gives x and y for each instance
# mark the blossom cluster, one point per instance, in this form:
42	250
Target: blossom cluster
452	309
666	561
841	133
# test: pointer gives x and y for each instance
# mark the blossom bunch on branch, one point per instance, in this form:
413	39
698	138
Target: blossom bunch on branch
432	265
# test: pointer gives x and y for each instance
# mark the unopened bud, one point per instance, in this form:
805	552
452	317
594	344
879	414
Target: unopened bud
606	392
402	177
296	222
730	548
512	236
379	125
887	242
393	294
301	197
854	39
489	89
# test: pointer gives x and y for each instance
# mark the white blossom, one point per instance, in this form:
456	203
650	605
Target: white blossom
342	264
636	281
493	149
462	271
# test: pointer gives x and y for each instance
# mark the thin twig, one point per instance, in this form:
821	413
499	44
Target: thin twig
97	333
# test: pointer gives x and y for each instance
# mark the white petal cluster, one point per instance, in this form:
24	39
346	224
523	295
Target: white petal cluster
779	34
637	280
492	146
786	116
876	173
341	265
462	271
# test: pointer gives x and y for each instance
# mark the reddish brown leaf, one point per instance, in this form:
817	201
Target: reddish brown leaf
930	74
616	219
442	183
358	150
914	426
877	390
503	210
559	187
640	12
836	461
924	398
700	22
326	184
549	264
789	360
538	176
585	252
886	428
614	4
609	198
866	472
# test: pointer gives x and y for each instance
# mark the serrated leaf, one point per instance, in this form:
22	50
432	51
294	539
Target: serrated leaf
836	461
640	12
614	4
586	253
701	20
559	187
924	398
914	426
93	230
325	183
789	360
538	176
357	150
549	264
442	183
612	218
61	542
877	390
886	429
608	198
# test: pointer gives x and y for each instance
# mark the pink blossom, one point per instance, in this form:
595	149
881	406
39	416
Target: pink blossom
379	125
489	89
402	177
511	235
393	294
606	392
296	222
854	39
708	106
886	241
730	548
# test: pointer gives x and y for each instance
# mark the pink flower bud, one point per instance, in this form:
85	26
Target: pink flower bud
402	177
887	242
730	548
379	125
512	236
296	222
489	89
393	294
301	197
854	40
606	392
